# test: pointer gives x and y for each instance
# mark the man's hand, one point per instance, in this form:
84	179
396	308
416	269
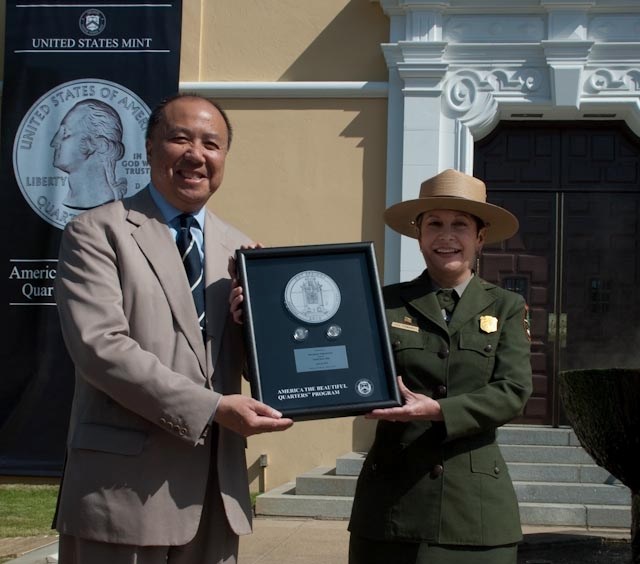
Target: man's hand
247	416
416	406
236	297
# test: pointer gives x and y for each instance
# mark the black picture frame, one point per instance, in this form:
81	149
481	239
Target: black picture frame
344	364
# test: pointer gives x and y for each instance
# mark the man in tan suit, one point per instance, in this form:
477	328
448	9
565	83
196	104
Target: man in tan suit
155	468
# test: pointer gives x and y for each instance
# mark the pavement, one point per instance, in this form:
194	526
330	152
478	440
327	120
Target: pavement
301	541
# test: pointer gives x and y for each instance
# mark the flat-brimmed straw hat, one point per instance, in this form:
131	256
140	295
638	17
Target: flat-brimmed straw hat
452	190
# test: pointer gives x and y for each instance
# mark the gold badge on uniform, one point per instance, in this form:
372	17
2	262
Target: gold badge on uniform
488	323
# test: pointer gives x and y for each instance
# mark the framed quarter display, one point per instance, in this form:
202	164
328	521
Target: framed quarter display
315	330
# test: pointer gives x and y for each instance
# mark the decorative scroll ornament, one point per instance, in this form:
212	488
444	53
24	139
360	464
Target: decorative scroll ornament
467	89
605	80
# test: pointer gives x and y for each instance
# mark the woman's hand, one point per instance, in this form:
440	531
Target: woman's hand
236	296
415	407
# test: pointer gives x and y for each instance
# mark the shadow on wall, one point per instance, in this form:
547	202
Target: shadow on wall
370	126
348	48
287	123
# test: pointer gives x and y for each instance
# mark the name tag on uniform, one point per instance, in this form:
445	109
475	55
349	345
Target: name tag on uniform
405	326
488	323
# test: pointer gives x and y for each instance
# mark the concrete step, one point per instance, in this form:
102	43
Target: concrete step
535	435
350	464
556	481
575	515
324	481
571	463
541	454
577	473
283	501
586	494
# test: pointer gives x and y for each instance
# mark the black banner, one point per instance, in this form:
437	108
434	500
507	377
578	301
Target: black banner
80	79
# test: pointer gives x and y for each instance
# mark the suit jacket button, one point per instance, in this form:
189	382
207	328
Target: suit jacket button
437	471
163	420
488	348
396	344
441	392
496	470
443	353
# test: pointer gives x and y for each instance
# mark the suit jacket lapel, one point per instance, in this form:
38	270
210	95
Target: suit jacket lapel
155	241
217	282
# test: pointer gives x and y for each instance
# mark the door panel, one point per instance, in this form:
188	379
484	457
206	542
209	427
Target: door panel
526	264
600	294
575	187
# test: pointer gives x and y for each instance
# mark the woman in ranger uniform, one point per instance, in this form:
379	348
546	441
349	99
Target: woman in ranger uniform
434	488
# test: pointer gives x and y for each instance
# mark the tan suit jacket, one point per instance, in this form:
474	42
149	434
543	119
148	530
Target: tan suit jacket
146	383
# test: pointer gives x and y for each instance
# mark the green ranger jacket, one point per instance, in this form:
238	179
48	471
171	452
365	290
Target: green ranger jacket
446	482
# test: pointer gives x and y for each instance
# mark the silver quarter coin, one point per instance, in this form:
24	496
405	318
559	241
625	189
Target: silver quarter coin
300	334
333	331
312	296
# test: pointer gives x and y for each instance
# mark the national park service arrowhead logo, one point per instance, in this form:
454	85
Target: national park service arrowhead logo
80	145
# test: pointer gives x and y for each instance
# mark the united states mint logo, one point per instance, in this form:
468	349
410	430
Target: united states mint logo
364	387
92	22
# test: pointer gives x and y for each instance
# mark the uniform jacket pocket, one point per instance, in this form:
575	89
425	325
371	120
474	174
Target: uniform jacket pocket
487	461
404	339
482	344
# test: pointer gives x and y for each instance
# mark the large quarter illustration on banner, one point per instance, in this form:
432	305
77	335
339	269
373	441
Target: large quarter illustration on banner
80	145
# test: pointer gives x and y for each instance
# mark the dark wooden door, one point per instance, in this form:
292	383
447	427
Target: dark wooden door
575	188
601	290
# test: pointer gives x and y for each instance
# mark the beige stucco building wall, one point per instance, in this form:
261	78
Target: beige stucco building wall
301	170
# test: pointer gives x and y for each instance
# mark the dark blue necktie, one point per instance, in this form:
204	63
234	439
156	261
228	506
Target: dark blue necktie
192	264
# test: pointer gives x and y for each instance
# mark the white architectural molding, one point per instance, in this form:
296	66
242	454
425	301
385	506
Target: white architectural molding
287	89
481	28
566	60
461	66
618	27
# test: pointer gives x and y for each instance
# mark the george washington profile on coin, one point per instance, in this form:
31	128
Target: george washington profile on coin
87	146
80	145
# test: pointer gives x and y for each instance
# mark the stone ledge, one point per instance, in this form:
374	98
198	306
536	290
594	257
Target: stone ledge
15	547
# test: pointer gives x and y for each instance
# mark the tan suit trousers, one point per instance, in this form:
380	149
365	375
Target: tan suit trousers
221	547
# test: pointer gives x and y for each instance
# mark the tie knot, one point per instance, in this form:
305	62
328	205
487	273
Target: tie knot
447	299
187	221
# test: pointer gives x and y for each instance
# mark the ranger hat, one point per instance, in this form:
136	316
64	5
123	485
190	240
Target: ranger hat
452	190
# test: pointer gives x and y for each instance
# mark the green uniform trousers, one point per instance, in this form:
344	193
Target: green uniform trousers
367	551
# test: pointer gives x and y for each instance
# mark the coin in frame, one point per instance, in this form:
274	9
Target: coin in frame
312	296
333	331
300	334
